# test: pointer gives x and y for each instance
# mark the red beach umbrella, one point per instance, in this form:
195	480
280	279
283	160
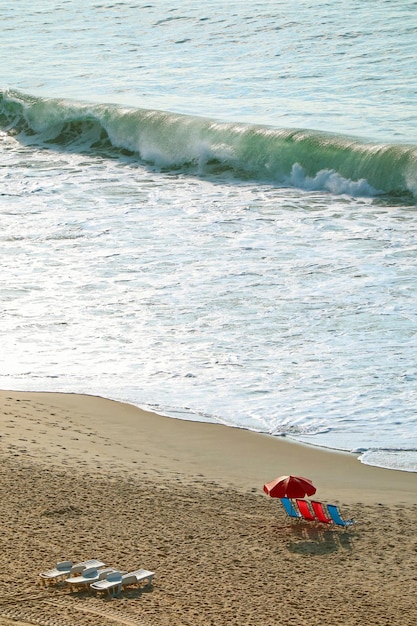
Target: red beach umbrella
290	487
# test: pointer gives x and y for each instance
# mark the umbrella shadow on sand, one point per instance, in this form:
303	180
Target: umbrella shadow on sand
313	540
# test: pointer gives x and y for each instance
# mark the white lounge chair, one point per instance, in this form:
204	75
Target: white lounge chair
116	581
112	584
134	578
64	569
88	576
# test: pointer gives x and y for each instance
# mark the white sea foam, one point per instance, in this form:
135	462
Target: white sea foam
395	459
265	308
330	180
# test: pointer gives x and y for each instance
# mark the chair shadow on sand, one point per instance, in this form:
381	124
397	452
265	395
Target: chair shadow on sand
128	593
315	540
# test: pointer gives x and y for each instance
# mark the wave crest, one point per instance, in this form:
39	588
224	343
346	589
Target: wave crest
307	159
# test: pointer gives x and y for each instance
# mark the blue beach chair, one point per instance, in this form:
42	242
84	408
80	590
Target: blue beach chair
289	509
337	518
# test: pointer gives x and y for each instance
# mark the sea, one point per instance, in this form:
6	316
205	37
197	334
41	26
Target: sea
209	210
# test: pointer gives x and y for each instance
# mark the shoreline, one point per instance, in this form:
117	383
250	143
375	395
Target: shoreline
189	416
188	449
84	477
282	437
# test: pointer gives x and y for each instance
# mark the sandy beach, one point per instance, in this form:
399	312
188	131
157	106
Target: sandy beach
84	477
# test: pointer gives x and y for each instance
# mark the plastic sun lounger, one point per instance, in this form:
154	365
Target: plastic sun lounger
305	510
320	513
65	569
88	576
134	578
289	509
337	518
116	581
112	584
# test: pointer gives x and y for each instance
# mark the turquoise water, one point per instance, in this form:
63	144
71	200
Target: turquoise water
210	210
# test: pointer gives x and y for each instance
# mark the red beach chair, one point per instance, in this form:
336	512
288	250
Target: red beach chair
305	510
320	513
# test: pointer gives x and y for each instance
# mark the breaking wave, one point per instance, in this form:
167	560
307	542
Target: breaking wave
306	159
